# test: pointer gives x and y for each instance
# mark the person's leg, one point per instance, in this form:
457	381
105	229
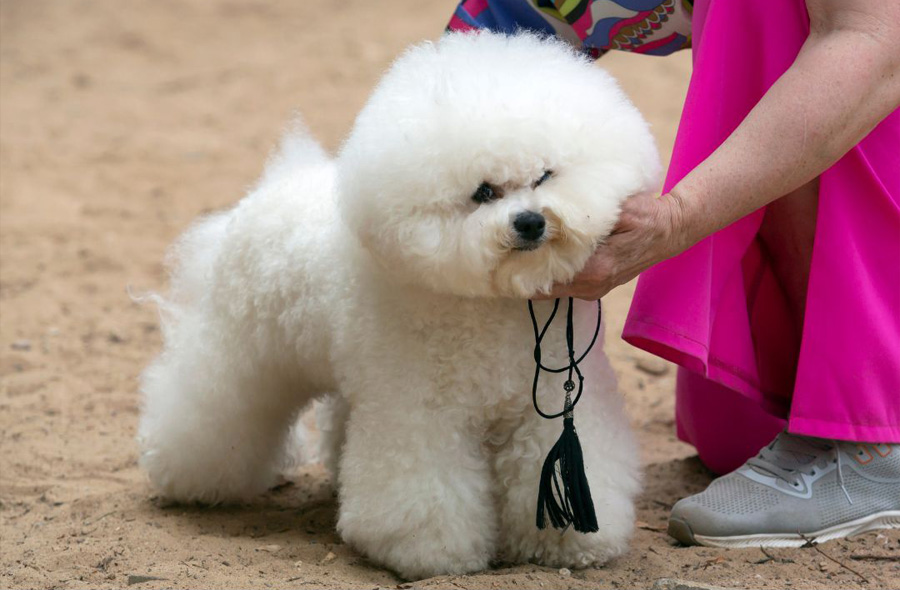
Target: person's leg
725	427
798	487
787	235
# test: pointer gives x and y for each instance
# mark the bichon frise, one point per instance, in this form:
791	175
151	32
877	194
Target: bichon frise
391	282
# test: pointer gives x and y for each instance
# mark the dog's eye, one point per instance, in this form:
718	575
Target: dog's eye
547	174
485	193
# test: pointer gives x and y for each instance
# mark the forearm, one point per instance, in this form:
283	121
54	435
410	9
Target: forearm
845	80
840	86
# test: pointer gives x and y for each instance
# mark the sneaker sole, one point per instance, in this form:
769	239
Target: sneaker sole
681	531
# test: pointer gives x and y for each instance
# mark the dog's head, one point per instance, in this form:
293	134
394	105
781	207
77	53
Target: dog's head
488	165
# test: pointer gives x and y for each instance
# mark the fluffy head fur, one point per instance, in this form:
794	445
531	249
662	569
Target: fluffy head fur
478	108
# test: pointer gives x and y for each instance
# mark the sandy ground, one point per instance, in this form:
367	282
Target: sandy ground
122	122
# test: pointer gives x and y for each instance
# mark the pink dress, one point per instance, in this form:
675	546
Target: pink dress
717	311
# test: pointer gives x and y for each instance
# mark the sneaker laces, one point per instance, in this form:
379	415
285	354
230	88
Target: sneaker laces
790	455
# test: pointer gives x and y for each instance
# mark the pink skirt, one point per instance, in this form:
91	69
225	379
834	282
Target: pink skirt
717	310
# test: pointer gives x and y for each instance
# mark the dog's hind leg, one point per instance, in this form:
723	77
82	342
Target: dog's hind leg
215	421
331	420
243	356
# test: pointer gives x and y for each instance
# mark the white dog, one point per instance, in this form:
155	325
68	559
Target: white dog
391	281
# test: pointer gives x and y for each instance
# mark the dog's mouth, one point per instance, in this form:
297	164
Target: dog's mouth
528	246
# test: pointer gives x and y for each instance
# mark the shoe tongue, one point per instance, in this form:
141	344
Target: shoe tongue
789	456
786	452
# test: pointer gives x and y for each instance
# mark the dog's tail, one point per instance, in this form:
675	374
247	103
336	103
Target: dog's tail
192	258
190	261
297	150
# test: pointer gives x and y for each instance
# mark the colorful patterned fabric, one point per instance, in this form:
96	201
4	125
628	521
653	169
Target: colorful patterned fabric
596	26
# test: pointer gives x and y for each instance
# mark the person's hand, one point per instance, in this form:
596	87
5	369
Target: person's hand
649	230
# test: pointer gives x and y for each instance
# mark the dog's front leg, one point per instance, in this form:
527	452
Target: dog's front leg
612	466
415	490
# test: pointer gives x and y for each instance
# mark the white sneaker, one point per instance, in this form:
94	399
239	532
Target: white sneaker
797	489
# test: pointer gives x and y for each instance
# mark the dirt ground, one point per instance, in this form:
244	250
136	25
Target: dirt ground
119	123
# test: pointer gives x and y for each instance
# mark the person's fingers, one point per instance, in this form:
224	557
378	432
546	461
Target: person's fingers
620	228
583	286
545	296
560	290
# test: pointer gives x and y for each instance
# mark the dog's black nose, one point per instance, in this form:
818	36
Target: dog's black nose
529	225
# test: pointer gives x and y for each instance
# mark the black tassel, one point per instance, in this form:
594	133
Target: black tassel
563	493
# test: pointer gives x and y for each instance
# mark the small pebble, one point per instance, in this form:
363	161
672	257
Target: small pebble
676	584
138	579
269	548
329	558
21	345
565	572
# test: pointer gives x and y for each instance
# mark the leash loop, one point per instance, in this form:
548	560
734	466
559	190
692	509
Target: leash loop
573	369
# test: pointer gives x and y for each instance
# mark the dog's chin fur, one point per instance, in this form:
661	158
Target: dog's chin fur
375	281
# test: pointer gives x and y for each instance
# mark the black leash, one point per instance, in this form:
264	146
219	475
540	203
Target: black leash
563	492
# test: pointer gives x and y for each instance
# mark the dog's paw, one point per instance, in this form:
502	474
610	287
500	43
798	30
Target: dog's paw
413	562
418	551
582	554
570	550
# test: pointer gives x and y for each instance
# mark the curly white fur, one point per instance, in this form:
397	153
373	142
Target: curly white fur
376	282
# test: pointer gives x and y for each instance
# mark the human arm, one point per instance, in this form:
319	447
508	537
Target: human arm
844	81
